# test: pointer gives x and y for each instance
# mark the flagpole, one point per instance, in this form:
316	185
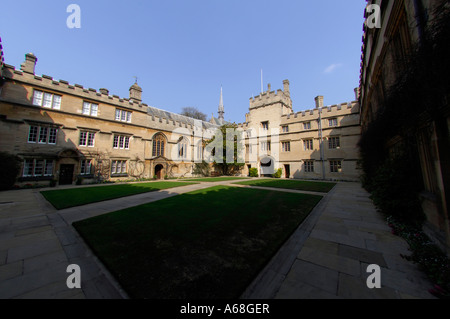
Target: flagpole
262	85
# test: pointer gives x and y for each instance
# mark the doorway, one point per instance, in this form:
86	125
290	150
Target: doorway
66	174
287	170
158	171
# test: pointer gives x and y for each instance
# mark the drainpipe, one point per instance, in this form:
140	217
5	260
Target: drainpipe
321	144
319	106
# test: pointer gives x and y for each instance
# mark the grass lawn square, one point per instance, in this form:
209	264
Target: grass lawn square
322	187
207	244
72	197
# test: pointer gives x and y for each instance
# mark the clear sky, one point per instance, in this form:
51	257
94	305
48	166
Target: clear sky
183	51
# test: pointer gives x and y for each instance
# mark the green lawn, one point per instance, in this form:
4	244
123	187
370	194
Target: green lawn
72	197
323	187
207	244
215	179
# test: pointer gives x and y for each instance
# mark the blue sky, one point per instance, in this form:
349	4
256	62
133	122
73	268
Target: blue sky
183	51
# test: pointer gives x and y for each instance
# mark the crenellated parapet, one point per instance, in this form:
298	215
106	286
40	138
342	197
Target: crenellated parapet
272	97
325	111
48	82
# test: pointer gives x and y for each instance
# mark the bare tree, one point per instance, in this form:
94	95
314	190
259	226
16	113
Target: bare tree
193	112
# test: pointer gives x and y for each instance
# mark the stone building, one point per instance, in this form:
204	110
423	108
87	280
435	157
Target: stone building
67	133
392	51
315	144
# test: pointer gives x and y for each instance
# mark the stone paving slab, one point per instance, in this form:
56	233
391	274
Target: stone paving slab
314	275
300	290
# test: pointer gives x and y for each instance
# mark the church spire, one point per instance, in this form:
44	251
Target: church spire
221	107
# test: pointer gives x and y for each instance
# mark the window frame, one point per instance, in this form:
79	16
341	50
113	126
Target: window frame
119	167
334	142
249	148
286	146
159	145
309	166
307	126
52	135
333	122
86	167
30	165
335	166
43	135
85	140
36	135
123	115
182	146
121	142
308	144
88	109
266	146
52	103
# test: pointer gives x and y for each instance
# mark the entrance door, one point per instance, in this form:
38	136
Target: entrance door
158	171
287	169
66	174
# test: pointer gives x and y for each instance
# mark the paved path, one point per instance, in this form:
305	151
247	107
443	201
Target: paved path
326	258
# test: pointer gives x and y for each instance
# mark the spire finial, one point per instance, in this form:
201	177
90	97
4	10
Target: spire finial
221	107
221	98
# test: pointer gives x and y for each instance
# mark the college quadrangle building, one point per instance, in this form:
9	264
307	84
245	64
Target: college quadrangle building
64	133
67	133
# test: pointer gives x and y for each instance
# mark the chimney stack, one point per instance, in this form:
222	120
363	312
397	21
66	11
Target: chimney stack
30	63
136	93
319	102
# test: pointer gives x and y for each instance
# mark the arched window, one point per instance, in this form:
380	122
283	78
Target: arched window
182	148
159	142
200	150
